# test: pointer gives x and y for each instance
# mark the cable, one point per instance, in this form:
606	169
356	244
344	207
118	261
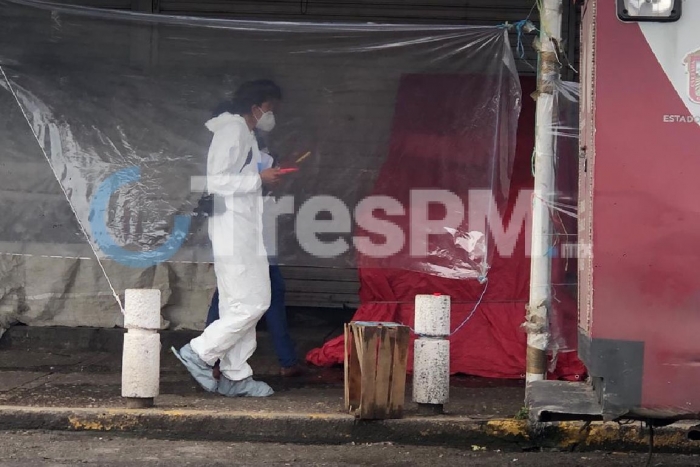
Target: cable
469	316
560	207
65	193
532	9
527	25
520	48
481	297
452	302
650	424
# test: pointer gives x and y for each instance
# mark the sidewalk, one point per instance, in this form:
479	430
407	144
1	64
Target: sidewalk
79	389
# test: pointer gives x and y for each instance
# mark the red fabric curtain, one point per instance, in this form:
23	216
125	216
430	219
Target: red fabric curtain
492	343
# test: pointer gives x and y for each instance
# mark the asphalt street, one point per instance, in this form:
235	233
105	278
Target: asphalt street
35	449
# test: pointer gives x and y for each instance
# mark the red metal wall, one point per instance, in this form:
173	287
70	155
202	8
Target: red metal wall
639	206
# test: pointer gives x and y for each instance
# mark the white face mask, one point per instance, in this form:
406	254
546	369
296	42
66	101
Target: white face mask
266	122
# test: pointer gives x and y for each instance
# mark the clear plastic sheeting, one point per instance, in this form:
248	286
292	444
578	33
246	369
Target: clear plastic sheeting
565	249
118	101
449	161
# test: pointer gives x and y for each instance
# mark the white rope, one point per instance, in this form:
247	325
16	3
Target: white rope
65	193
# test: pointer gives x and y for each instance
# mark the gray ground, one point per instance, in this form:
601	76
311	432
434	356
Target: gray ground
30	449
93	379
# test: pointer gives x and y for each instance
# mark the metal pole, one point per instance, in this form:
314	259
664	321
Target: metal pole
537	323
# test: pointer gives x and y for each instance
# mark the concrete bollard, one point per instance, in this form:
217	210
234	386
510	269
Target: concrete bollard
141	355
431	353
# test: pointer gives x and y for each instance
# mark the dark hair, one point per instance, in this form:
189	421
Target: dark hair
249	94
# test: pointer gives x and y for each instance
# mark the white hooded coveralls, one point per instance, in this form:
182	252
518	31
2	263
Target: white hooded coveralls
240	261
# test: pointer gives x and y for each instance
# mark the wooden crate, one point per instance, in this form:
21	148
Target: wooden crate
375	369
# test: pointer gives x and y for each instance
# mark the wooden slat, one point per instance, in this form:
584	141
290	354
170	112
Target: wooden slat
106	4
347	350
453	4
322	300
382	381
323	286
369	338
324	274
484	12
358	334
398	371
476	12
352	372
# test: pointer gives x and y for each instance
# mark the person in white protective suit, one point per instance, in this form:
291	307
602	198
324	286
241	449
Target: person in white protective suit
276	315
235	181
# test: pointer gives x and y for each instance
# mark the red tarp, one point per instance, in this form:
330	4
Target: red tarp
492	344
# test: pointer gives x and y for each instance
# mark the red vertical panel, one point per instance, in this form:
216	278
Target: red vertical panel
647	218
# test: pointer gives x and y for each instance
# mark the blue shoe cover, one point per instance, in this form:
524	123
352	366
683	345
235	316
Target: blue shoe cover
244	388
199	370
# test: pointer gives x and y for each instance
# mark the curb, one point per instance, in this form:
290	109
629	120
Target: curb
458	432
